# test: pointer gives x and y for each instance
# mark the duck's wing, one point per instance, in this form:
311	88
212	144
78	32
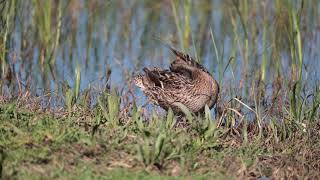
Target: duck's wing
165	79
186	59
163	87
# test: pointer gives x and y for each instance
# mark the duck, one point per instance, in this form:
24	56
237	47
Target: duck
186	82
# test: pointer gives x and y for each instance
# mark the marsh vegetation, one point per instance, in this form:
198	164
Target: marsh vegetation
68	107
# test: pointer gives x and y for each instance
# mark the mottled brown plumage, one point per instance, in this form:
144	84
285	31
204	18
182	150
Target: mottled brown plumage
187	82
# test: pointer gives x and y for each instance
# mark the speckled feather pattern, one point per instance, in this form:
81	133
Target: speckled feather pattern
187	82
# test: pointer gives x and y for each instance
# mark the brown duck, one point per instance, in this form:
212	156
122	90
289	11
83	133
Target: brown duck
187	82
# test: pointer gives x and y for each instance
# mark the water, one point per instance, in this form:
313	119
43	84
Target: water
119	35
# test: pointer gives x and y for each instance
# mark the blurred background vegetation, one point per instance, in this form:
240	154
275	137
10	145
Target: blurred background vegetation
245	43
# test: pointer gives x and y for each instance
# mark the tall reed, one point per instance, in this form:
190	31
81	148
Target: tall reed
7	17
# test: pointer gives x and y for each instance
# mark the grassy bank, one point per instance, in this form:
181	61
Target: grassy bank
107	142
